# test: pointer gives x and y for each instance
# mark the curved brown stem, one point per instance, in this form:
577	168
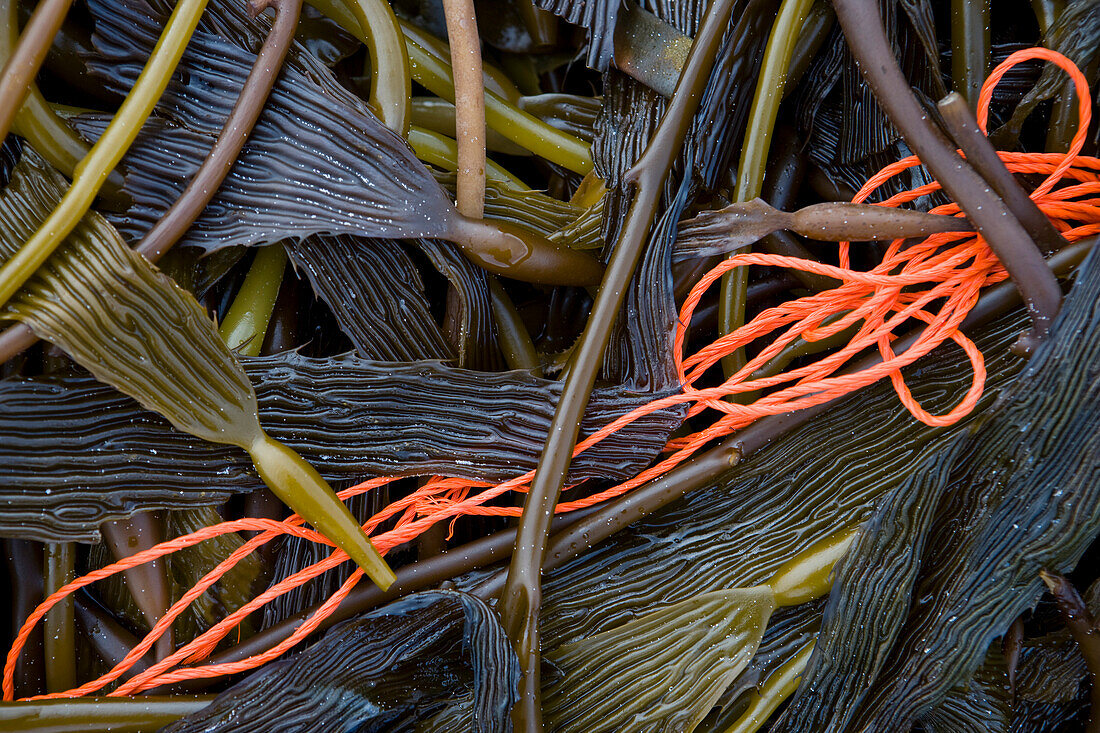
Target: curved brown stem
862	25
202	188
512	251
106	635
578	531
963	127
242	118
18	74
413	577
522	595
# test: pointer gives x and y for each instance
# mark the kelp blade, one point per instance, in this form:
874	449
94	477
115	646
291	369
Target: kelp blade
663	671
1014	497
135	329
382	671
75	453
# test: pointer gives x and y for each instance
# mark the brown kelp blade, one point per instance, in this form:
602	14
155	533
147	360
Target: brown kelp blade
134	329
738	225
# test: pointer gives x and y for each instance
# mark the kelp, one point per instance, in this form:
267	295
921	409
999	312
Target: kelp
376	294
77	453
349	175
1013	496
184	570
663	671
468	322
598	17
786	498
846	132
384	670
1076	34
982	705
724	230
162	350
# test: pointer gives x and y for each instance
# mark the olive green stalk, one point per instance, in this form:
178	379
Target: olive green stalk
442	151
246	321
438	115
754	154
766	698
1046	12
22	65
129	324
373	23
429	65
515	342
95	714
91	173
59	632
35	120
969	46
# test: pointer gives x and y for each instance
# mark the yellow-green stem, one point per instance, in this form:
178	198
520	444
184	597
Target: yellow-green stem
59	632
245	323
754	154
91	173
442	151
304	490
808	575
766	699
433	71
373	23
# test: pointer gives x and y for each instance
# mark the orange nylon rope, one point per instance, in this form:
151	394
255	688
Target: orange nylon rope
946	271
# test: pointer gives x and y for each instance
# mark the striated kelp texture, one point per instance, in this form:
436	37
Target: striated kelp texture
960	559
661	672
375	291
76	453
122	319
382	671
314	163
818	479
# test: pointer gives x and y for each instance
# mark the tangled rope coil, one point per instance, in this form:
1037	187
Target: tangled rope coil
945	271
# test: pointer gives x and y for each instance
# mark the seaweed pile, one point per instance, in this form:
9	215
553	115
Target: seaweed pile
346	383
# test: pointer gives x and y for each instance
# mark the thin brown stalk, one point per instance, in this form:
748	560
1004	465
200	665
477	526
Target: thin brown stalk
469	106
18	74
1083	628
522	597
866	36
578	531
147	583
980	153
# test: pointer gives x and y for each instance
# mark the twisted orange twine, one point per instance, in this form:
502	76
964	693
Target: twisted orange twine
946	269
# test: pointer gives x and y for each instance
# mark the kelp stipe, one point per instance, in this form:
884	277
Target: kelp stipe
134	329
